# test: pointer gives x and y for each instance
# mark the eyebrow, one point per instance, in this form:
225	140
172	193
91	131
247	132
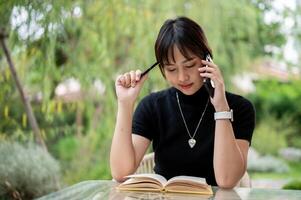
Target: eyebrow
187	60
183	62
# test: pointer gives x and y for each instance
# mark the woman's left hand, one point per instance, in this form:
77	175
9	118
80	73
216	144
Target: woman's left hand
213	72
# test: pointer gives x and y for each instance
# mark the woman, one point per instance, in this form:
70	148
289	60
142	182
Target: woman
191	132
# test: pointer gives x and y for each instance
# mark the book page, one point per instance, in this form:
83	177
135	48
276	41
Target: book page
188	179
155	177
140	183
188	184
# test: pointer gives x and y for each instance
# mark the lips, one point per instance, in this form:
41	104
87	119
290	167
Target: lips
187	86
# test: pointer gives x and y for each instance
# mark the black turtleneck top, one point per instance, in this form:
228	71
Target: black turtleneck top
158	118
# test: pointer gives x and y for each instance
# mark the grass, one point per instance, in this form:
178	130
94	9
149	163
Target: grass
294	172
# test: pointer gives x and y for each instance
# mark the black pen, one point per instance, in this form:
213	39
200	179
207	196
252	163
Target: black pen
150	68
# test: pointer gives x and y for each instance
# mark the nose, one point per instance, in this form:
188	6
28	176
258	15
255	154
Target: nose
183	76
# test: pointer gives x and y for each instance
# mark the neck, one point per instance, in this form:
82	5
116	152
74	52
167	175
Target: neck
199	97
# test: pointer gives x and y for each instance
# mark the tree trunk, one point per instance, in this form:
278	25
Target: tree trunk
29	112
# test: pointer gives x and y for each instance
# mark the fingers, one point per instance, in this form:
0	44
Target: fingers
207	69
129	79
138	73
118	80
212	72
207	72
133	78
209	64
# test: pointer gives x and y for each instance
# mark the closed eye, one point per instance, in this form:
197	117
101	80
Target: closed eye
190	66
170	70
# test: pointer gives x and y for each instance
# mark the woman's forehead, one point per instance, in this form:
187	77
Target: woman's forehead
183	53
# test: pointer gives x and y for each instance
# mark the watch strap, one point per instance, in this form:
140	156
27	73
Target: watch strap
224	115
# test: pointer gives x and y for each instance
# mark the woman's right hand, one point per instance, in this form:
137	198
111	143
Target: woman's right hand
128	86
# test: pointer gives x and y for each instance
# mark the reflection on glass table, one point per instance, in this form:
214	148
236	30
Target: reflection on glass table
105	190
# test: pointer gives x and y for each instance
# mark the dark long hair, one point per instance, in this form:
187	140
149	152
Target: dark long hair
186	34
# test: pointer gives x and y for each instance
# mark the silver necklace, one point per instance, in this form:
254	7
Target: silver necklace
191	141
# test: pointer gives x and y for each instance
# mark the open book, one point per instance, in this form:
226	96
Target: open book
157	183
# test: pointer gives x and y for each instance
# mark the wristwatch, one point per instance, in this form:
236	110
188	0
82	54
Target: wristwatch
224	115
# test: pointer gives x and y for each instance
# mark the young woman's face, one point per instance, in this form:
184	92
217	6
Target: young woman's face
183	74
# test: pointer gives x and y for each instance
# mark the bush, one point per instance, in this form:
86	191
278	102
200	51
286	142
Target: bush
292	154
280	101
277	98
293	185
26	171
66	148
270	136
267	164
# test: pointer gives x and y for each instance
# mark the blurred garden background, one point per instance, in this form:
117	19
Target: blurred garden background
67	55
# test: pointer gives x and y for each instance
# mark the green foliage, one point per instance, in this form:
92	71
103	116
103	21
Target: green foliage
271	132
278	103
277	98
294	171
293	185
104	39
295	141
66	147
27	171
93	162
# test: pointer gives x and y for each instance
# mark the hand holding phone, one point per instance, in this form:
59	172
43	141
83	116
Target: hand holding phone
208	83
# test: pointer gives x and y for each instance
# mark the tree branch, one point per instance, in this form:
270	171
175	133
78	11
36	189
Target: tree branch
29	112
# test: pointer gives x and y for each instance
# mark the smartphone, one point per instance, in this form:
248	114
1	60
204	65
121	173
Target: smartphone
208	83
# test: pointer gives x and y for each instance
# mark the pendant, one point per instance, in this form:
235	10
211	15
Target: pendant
191	142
